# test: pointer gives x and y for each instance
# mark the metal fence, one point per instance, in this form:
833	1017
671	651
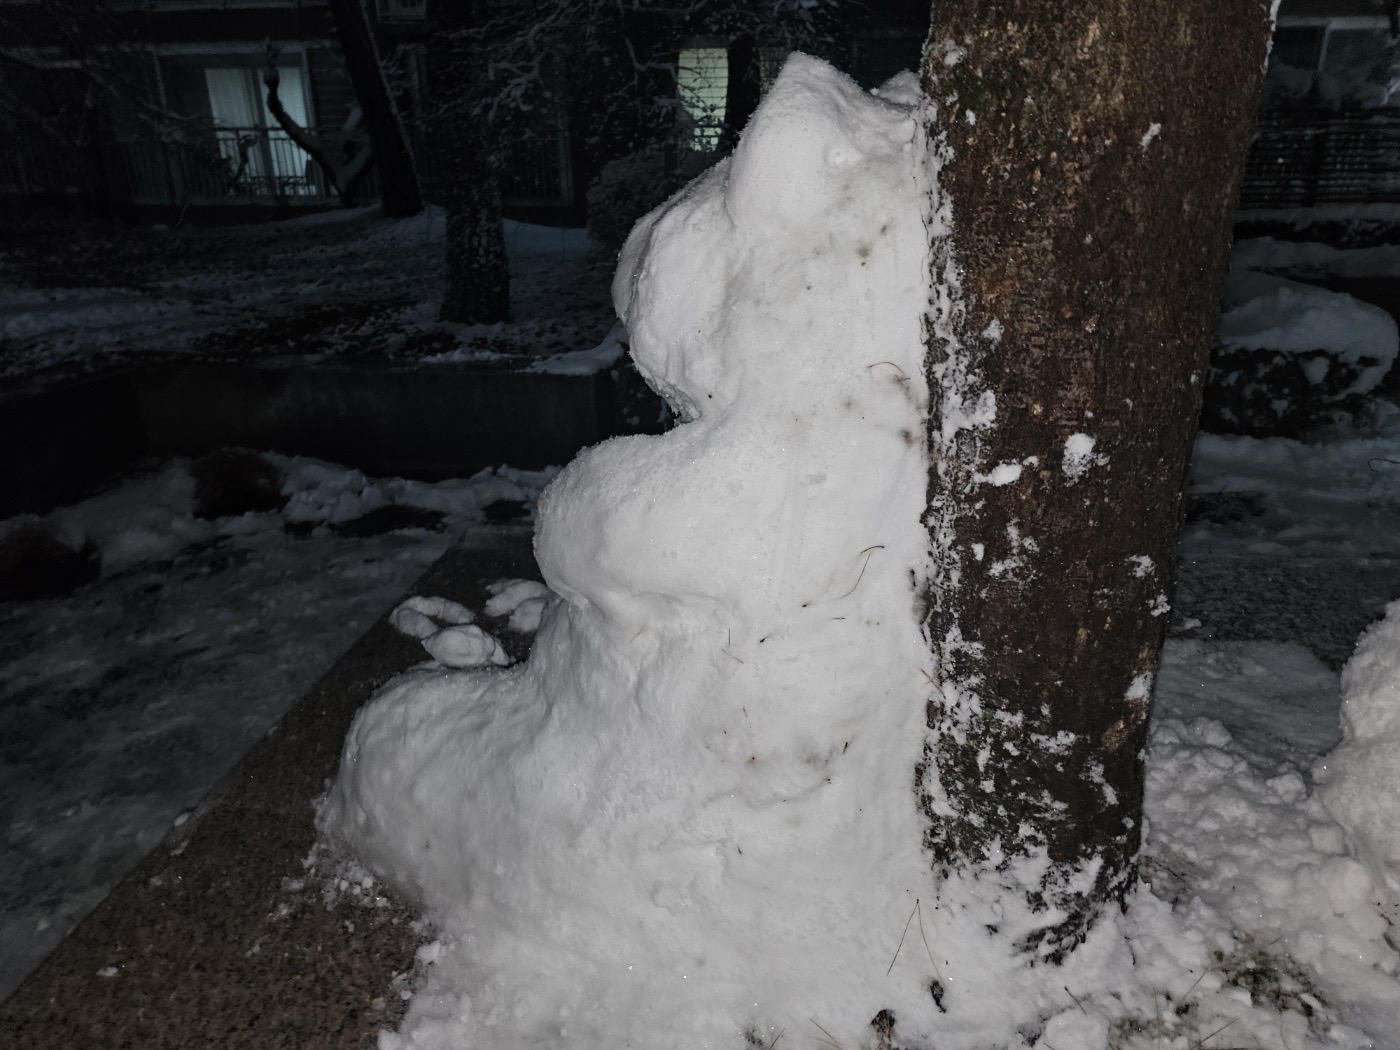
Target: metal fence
28	169
248	166
1303	158
242	164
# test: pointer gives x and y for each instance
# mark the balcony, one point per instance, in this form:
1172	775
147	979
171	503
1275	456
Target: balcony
250	166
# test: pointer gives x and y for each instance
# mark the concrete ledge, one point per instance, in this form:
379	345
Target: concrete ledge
416	423
204	944
429	423
62	441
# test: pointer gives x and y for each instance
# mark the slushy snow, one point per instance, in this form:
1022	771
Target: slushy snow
690	820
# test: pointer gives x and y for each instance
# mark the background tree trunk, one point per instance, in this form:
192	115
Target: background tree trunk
469	166
742	91
1091	156
398	176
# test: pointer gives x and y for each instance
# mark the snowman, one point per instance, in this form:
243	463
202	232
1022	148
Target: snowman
690	815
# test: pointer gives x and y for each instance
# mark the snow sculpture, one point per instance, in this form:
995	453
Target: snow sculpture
1360	778
691	814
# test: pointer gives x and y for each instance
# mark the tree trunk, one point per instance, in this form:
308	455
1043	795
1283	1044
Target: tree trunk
742	91
398	176
1090	162
469	166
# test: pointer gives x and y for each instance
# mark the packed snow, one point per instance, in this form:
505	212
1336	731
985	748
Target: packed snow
688	818
122	703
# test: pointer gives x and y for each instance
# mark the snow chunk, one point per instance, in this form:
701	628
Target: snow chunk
467	646
524	601
1079	456
1002	474
507	595
1142	565
418	616
1153	130
445	628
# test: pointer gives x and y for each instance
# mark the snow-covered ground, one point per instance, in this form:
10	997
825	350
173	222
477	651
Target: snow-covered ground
122	703
339	283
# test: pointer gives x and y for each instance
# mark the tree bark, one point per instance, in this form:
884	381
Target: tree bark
398	176
1090	162
469	166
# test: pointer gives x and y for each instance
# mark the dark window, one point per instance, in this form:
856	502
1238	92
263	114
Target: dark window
1298	46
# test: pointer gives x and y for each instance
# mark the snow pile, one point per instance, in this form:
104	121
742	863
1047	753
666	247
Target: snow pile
586	362
103	314
691	814
1361	778
1263	312
322	493
1248	849
1293	359
152	517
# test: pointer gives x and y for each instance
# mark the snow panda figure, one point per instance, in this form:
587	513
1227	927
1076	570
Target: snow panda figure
706	763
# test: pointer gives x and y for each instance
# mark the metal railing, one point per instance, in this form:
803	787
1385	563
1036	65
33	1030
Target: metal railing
206	5
1303	158
28	169
249	166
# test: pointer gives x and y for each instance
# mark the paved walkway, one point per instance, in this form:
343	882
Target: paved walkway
219	938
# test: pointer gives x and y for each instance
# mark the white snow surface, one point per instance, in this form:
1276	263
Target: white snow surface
1361	778
688	819
1333	498
1264	312
696	795
1079	456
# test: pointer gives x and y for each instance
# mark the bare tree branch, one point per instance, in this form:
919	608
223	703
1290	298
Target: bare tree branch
344	179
